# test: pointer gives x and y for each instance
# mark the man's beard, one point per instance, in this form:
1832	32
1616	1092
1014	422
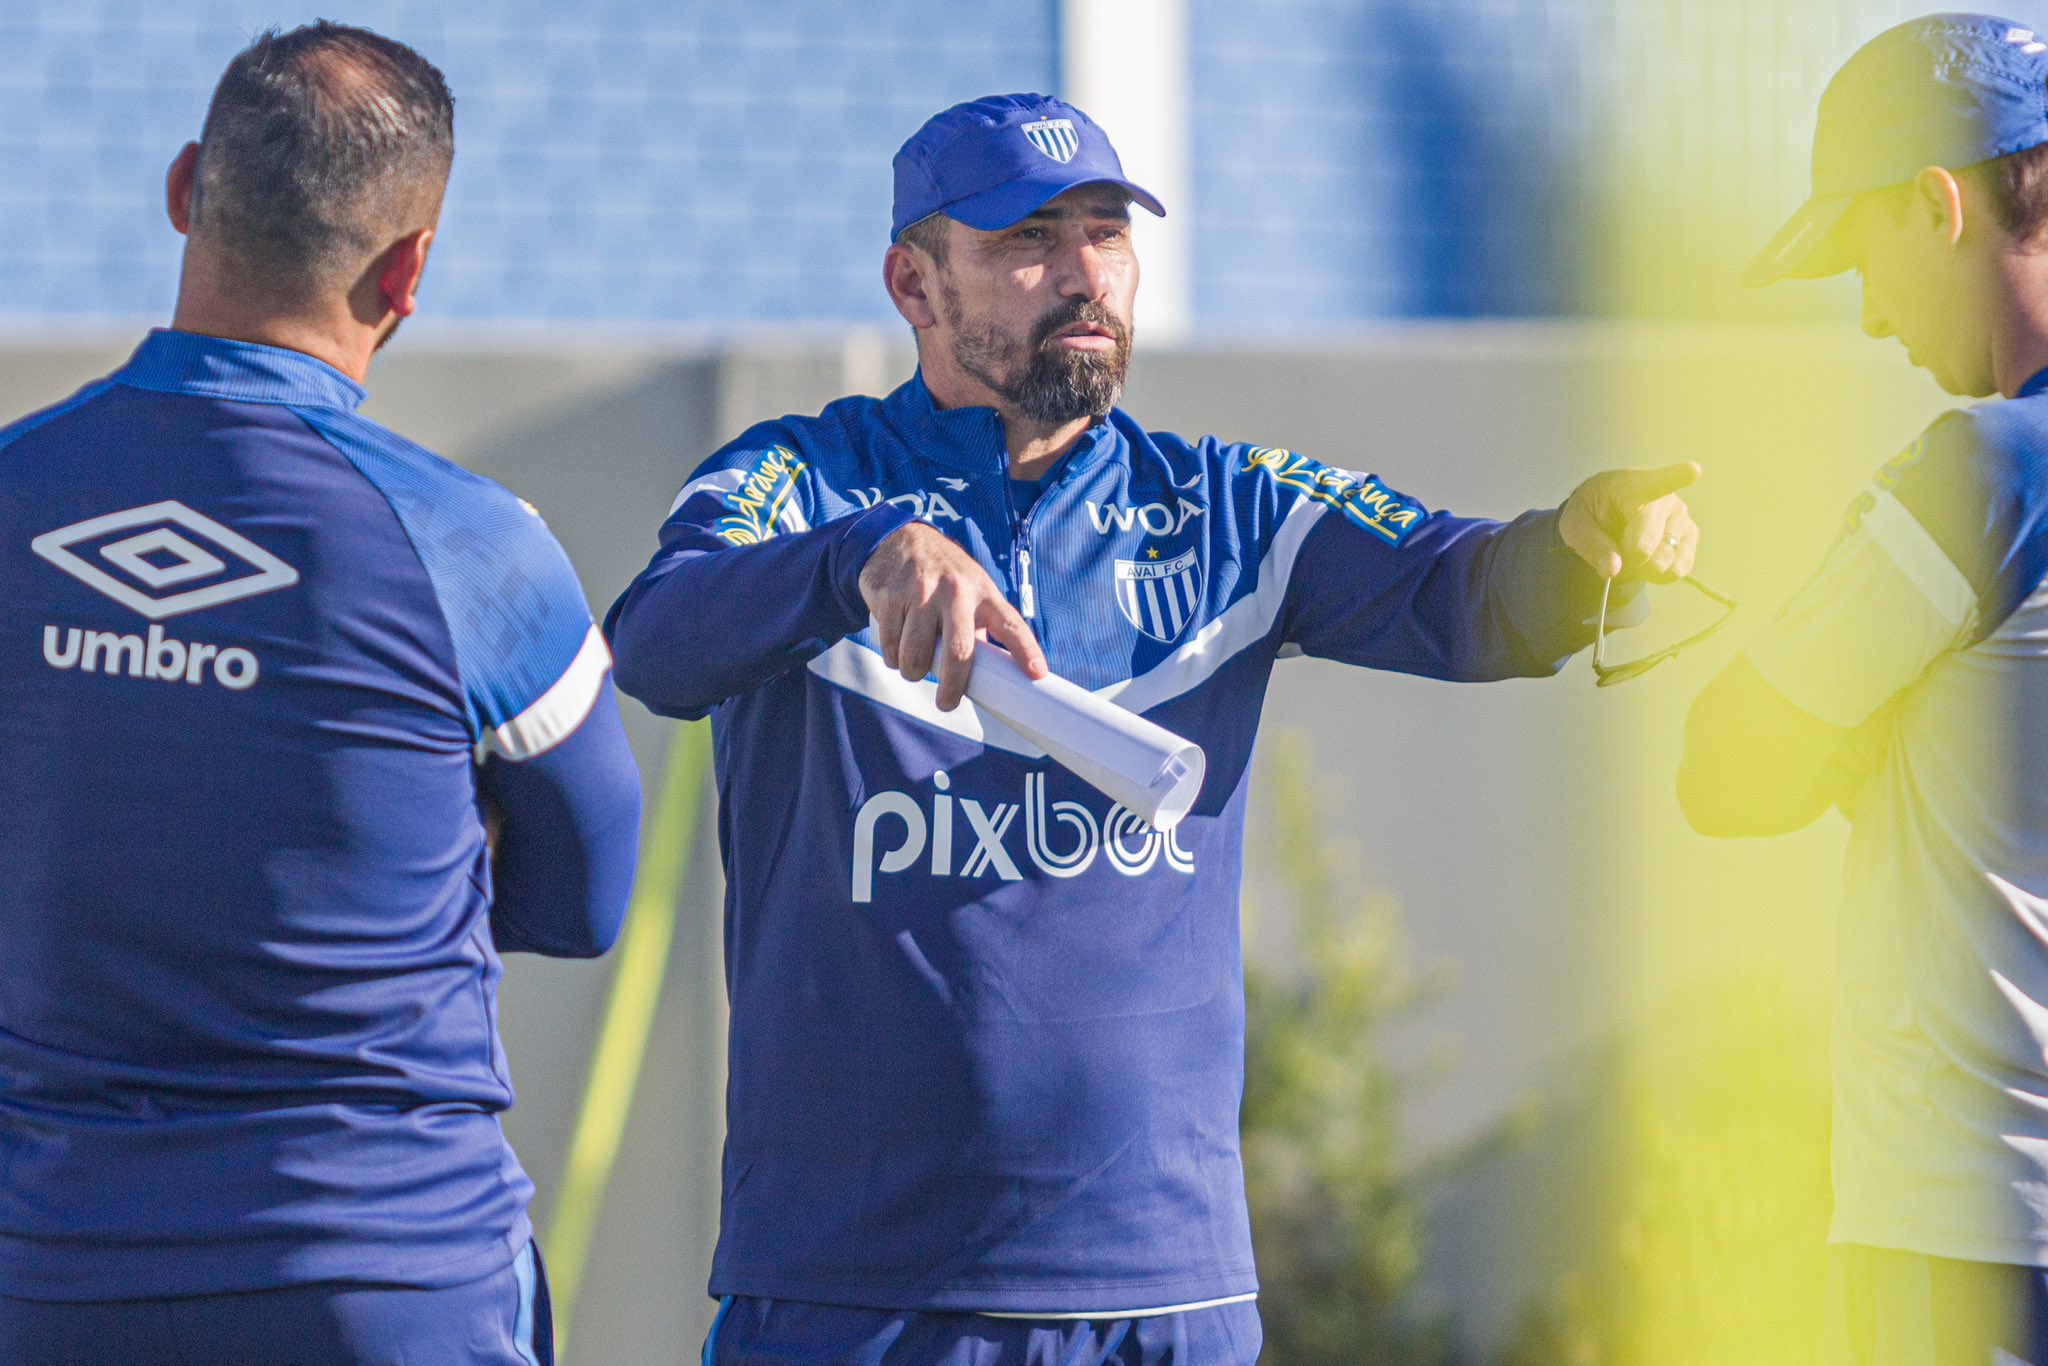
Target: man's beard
1047	383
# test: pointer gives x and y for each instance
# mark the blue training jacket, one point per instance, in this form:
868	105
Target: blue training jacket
987	1027
262	661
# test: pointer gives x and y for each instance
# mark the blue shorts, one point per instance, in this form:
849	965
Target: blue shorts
497	1320
762	1332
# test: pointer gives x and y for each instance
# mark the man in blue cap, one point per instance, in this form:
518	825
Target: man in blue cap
988	1026
1907	683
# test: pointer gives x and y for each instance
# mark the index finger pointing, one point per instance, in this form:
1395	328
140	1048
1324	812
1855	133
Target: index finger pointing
1644	486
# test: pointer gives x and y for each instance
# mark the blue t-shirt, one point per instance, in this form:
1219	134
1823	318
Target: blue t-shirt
255	651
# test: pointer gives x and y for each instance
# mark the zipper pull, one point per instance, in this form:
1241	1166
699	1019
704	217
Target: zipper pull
1027	601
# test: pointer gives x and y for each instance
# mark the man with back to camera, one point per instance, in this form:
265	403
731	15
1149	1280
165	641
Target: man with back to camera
987	1028
1907	683
269	672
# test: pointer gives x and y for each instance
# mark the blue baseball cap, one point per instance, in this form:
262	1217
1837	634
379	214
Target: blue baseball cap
991	161
1948	90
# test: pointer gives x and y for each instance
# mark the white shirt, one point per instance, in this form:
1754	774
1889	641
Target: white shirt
1929	621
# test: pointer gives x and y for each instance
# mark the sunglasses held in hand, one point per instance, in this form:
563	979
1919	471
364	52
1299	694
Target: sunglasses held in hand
1606	675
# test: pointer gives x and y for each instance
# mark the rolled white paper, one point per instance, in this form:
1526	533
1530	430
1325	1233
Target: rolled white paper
1148	769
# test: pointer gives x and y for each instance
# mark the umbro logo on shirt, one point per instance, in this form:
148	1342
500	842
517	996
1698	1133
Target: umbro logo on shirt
161	560
164	559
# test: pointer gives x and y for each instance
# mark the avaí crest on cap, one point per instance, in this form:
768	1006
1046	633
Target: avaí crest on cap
1054	137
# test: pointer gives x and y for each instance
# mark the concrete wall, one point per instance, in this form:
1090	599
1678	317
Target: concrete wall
1527	829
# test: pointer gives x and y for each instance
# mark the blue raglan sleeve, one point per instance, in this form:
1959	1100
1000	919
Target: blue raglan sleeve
1978	486
1383	582
749	583
554	773
1950	537
568	835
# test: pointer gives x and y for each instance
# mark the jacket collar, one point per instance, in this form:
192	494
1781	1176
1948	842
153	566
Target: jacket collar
174	362
971	439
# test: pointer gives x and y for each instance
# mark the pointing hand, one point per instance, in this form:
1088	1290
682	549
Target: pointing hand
1633	521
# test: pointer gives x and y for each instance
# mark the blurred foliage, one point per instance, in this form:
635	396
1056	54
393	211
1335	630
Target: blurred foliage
1337	1215
1717	1254
1704	1247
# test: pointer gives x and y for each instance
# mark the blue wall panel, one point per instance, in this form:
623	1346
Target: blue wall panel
660	162
712	164
1360	159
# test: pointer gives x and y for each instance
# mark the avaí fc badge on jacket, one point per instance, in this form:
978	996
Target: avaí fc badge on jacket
1160	597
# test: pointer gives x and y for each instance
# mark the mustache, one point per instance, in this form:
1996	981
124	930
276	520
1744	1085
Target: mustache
1080	311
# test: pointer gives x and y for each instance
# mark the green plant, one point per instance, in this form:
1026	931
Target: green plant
1338	1215
1715	1253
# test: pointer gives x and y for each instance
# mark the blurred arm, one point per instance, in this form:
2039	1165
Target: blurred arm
1802	717
1756	764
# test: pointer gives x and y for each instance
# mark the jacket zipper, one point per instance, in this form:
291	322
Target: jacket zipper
1020	540
1020	544
1027	602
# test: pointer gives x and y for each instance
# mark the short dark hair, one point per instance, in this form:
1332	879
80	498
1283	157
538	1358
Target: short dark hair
928	234
322	146
2017	186
2014	185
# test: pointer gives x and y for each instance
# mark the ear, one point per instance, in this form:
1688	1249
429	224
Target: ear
398	277
179	183
1938	201
911	279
